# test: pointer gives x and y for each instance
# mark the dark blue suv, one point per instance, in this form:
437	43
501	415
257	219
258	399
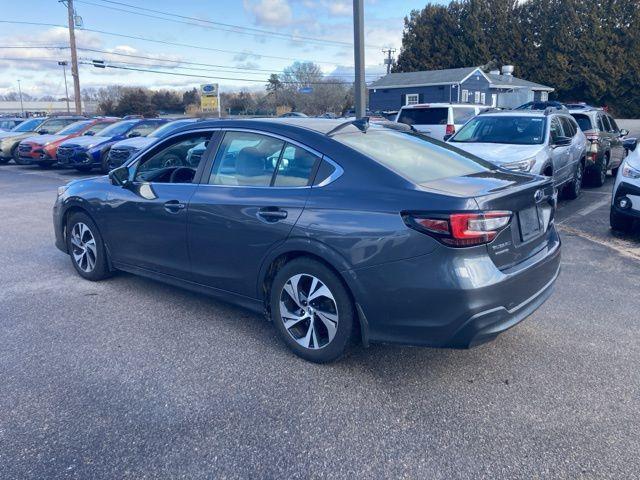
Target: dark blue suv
86	152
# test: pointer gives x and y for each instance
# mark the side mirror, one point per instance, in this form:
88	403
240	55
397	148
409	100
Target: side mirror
90	133
133	135
562	142
448	136
624	132
119	176
630	144
43	132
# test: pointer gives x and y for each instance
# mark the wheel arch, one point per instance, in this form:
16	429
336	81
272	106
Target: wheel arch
80	207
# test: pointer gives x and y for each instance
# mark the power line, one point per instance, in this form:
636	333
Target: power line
163	42
225	27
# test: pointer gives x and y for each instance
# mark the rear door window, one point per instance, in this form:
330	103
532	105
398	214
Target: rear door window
246	159
462	115
567	126
424	116
295	167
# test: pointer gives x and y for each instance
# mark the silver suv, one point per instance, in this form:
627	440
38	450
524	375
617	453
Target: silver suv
605	150
545	143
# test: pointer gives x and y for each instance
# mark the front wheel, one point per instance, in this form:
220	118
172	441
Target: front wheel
86	248
312	310
598	173
619	222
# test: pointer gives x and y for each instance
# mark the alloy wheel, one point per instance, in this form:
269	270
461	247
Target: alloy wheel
84	248
309	312
577	181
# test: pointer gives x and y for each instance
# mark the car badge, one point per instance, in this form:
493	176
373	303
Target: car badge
538	195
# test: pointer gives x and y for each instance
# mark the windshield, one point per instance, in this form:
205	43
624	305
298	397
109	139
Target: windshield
29	125
424	116
74	127
169	127
119	128
414	156
502	129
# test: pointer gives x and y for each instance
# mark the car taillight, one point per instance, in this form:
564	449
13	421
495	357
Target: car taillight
451	129
461	229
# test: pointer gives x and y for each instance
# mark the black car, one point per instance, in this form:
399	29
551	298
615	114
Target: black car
337	230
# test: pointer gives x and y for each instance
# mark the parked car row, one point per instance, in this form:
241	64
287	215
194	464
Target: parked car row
82	143
547	138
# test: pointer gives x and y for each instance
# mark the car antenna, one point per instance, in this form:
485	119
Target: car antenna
361	124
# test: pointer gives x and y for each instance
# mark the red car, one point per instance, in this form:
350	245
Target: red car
41	149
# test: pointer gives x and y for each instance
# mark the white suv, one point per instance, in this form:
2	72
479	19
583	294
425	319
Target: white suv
625	202
437	120
545	143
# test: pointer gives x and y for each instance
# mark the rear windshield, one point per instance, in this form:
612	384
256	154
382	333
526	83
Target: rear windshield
424	116
461	115
414	156
584	122
502	129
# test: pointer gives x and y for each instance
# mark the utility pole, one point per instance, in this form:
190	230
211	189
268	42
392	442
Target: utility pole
358	57
74	57
388	61
66	90
21	105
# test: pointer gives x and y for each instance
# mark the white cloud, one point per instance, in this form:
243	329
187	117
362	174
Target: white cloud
273	13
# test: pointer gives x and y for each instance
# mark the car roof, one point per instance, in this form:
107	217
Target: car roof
585	110
440	105
316	125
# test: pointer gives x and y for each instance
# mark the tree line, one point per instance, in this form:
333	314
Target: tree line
588	50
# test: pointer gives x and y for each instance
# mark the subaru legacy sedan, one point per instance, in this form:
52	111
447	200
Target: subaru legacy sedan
338	231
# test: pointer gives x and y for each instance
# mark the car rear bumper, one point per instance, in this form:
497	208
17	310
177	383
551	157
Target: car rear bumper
451	298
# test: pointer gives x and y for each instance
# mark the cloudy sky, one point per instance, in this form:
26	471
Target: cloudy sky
234	42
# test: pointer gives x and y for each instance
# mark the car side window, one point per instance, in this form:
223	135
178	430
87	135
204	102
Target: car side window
555	130
246	159
606	124
96	128
614	125
53	126
176	162
143	129
567	126
600	124
295	167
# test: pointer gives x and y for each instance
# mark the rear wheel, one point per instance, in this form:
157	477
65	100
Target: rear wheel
312	310
619	222
86	248
573	188
598	173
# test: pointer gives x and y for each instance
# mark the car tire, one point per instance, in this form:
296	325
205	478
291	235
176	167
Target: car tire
83	168
104	164
619	222
86	248
312	310
16	157
598	173
573	188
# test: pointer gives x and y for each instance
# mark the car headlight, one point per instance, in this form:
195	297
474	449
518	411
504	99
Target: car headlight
630	172
62	189
521	165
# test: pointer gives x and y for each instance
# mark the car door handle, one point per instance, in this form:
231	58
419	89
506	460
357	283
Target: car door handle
272	214
174	206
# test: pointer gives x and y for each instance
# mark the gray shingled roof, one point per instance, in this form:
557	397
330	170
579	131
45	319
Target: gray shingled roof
449	75
408	79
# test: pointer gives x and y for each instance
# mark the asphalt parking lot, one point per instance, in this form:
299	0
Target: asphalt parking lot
130	378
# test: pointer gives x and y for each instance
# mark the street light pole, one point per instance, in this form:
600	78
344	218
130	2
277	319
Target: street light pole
358	56
66	90
21	105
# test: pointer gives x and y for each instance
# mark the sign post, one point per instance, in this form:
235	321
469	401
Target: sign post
210	98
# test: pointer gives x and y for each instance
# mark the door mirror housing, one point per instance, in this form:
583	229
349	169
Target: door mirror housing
43	132
90	133
562	142
630	144
120	176
624	132
133	135
448	136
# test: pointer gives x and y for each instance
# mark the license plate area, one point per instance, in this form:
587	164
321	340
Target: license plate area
529	223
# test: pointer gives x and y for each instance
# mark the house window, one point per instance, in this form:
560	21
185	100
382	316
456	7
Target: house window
465	96
544	96
412	98
483	98
477	97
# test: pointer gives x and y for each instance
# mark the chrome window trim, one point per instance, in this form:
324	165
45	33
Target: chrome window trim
337	172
